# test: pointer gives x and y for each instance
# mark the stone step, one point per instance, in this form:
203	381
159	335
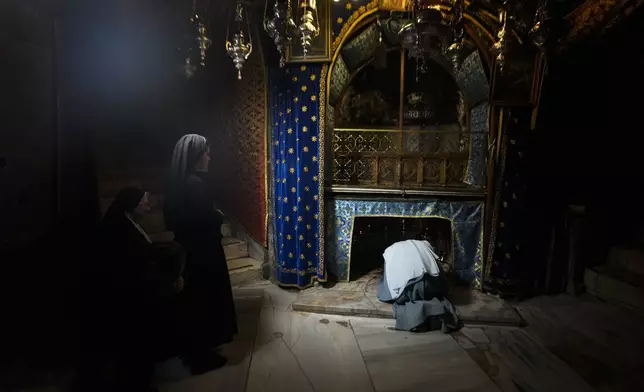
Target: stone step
234	248
243	264
616	286
227	230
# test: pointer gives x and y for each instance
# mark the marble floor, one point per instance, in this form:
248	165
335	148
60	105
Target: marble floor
568	344
281	349
359	298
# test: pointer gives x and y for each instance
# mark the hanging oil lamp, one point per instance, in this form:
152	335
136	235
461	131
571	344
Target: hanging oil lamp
455	51
237	47
424	36
196	34
500	47
280	27
539	33
203	42
309	27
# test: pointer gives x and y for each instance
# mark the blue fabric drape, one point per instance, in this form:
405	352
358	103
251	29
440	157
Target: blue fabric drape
294	100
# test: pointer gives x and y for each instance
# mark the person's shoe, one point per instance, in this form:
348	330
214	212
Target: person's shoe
205	363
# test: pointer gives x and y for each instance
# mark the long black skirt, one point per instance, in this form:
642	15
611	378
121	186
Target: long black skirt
207	299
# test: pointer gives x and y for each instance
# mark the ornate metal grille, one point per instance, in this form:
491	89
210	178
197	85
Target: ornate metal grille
391	158
400	134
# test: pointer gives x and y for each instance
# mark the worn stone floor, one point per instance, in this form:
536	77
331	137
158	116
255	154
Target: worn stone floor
281	349
360	298
567	344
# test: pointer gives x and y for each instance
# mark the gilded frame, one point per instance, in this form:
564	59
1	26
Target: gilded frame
322	43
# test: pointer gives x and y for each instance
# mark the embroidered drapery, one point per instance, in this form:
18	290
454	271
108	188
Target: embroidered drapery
295	97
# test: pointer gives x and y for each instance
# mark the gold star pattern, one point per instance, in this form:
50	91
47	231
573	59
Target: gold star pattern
301	211
339	20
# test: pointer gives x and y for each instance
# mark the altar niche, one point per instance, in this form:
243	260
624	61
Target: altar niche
394	127
373	234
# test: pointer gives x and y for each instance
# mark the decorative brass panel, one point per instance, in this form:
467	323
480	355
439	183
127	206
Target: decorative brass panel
389	158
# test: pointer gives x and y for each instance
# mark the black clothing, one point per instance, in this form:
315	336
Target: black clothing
133	319
207	297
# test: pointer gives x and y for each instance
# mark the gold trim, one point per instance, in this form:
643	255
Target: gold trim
267	139
478	281
353	221
311	283
542	69
348	26
321	163
397	130
472	193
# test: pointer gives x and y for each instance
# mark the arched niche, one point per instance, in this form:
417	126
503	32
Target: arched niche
389	127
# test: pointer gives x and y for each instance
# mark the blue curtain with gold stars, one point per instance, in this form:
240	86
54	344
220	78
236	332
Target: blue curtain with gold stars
294	99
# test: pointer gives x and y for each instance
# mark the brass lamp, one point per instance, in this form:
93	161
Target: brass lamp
239	47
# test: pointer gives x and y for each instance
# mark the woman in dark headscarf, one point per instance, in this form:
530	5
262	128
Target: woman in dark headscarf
190	214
